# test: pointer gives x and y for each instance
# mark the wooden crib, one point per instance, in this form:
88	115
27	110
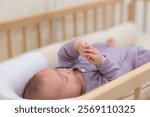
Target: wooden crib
35	31
24	34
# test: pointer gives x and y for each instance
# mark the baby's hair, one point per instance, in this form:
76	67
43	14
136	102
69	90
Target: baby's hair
33	88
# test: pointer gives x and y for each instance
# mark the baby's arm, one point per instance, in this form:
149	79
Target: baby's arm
69	53
110	70
107	67
93	56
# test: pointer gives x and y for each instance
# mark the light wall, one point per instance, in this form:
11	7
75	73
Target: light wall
12	9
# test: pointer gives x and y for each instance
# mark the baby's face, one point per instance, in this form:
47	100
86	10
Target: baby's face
60	83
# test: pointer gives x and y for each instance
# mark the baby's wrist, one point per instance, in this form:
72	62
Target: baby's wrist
101	61
76	45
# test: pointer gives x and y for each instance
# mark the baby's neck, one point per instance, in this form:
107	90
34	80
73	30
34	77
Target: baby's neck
82	81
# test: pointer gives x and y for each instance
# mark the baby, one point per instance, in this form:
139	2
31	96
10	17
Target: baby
82	68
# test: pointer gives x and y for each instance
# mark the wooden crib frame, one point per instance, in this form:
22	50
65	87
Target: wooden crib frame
108	91
52	18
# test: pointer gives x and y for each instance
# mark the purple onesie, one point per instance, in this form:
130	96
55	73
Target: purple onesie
118	61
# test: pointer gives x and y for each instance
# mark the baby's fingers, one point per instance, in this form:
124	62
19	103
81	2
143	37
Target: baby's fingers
91	57
96	59
91	50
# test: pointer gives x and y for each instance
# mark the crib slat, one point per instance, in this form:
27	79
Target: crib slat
75	24
9	40
38	35
121	11
85	21
63	22
145	15
137	93
104	18
131	11
95	20
52	31
112	14
24	44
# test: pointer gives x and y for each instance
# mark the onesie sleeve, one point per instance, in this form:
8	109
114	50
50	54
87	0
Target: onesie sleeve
67	55
110	70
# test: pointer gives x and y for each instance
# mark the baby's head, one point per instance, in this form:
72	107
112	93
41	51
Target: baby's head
53	84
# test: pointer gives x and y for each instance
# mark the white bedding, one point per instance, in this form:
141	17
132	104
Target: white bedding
16	72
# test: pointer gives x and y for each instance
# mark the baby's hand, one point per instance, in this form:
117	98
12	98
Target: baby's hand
80	45
89	52
94	56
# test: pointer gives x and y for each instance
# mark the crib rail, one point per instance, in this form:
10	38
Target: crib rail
32	32
120	87
56	22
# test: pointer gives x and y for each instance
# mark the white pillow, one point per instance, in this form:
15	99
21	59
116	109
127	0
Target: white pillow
15	73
